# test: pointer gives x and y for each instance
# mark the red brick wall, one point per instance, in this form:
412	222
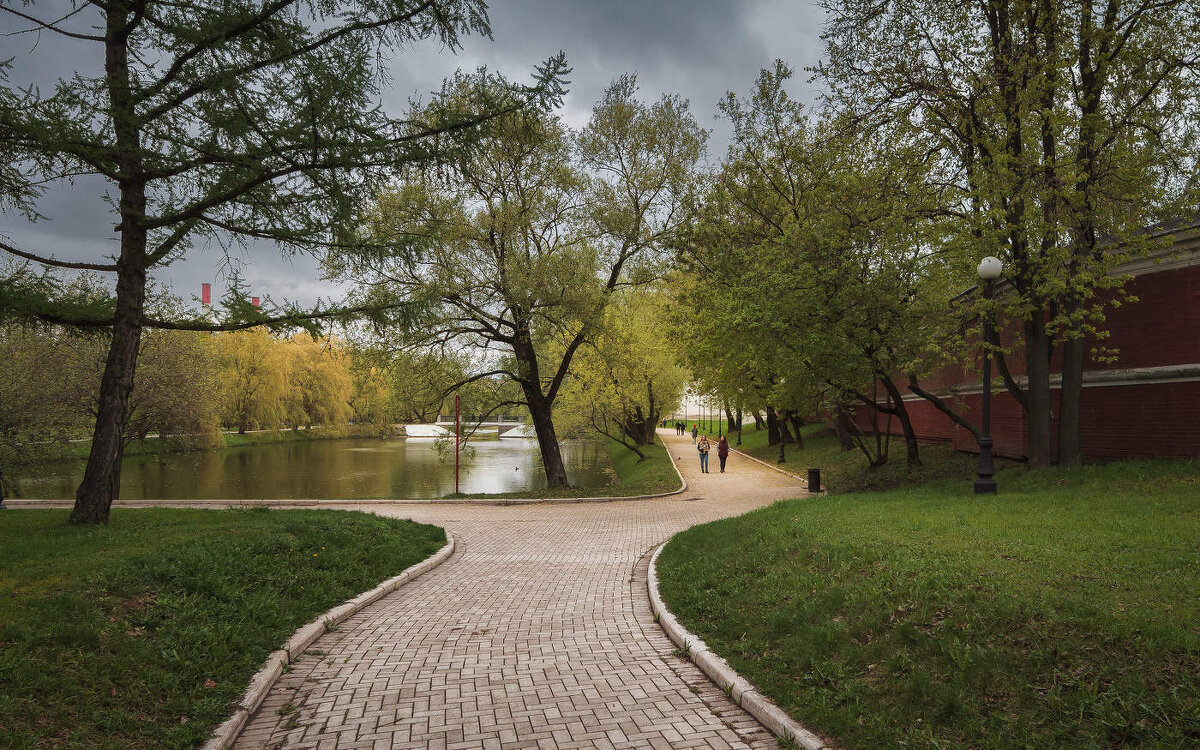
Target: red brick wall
1118	421
1155	419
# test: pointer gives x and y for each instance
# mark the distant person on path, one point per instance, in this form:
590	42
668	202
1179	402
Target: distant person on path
703	446
722	451
695	432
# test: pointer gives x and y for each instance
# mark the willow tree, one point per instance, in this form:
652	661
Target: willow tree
518	247
232	121
627	376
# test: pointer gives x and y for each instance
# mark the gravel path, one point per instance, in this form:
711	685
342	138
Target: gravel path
536	633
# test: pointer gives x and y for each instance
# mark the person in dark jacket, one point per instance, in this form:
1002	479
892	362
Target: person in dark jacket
722	451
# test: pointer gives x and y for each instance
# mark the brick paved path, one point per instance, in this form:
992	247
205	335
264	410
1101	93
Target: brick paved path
536	633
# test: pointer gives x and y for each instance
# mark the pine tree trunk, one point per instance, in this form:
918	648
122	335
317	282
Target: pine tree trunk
102	478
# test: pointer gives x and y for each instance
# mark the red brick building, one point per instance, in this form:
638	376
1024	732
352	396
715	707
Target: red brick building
1147	403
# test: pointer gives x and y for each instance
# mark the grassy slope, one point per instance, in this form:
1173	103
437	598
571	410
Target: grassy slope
650	476
846	471
1061	612
142	633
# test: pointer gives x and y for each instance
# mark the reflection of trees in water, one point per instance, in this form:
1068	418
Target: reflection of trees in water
365	469
443	445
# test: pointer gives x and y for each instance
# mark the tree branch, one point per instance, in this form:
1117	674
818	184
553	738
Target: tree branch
943	407
56	263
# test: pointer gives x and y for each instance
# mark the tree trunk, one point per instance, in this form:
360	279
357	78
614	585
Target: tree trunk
843	428
1070	399
102	478
901	413
796	423
543	425
759	422
731	422
1037	368
785	435
773	436
540	409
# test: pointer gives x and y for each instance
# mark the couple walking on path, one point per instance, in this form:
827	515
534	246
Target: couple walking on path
722	452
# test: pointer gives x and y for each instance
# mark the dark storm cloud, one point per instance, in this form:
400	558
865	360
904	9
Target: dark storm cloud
699	49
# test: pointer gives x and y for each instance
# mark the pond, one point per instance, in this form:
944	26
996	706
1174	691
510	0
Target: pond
331	469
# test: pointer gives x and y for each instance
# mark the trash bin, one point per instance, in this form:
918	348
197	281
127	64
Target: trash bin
814	480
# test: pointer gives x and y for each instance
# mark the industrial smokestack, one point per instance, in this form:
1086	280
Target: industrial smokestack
206	293
254	301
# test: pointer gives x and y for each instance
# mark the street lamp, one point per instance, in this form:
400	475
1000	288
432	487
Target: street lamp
989	270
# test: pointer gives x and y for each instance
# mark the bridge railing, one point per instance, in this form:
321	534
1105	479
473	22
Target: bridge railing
481	419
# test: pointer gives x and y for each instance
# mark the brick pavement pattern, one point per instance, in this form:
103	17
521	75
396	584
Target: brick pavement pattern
537	633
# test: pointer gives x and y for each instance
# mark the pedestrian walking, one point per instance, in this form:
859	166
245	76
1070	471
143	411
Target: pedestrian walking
695	432
722	451
703	446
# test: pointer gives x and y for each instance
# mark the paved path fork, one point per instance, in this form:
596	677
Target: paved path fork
536	633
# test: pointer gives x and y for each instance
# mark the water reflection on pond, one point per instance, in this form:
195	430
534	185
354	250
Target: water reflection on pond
330	469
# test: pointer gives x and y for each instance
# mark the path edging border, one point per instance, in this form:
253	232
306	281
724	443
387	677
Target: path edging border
781	471
261	683
740	691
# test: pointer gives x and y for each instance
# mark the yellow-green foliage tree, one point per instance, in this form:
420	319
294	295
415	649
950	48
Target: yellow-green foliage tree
320	386
49	388
267	381
372	392
175	392
39	404
627	377
254	378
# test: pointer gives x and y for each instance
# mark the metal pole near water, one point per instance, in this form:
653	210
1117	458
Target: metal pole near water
456	441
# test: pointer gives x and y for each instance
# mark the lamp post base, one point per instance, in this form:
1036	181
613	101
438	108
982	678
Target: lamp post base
985	484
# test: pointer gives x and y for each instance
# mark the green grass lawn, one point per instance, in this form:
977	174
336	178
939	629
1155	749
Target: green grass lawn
143	633
652	475
848	471
1062	612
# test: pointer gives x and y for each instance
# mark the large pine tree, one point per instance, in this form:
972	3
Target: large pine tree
225	120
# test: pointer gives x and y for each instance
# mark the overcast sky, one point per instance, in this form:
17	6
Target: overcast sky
700	49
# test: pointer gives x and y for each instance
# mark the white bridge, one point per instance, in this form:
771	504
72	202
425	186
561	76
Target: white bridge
503	425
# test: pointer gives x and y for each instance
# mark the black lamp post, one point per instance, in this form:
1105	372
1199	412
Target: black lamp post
989	270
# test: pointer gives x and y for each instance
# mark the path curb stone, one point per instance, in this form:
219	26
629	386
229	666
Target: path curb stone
776	468
225	735
719	671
